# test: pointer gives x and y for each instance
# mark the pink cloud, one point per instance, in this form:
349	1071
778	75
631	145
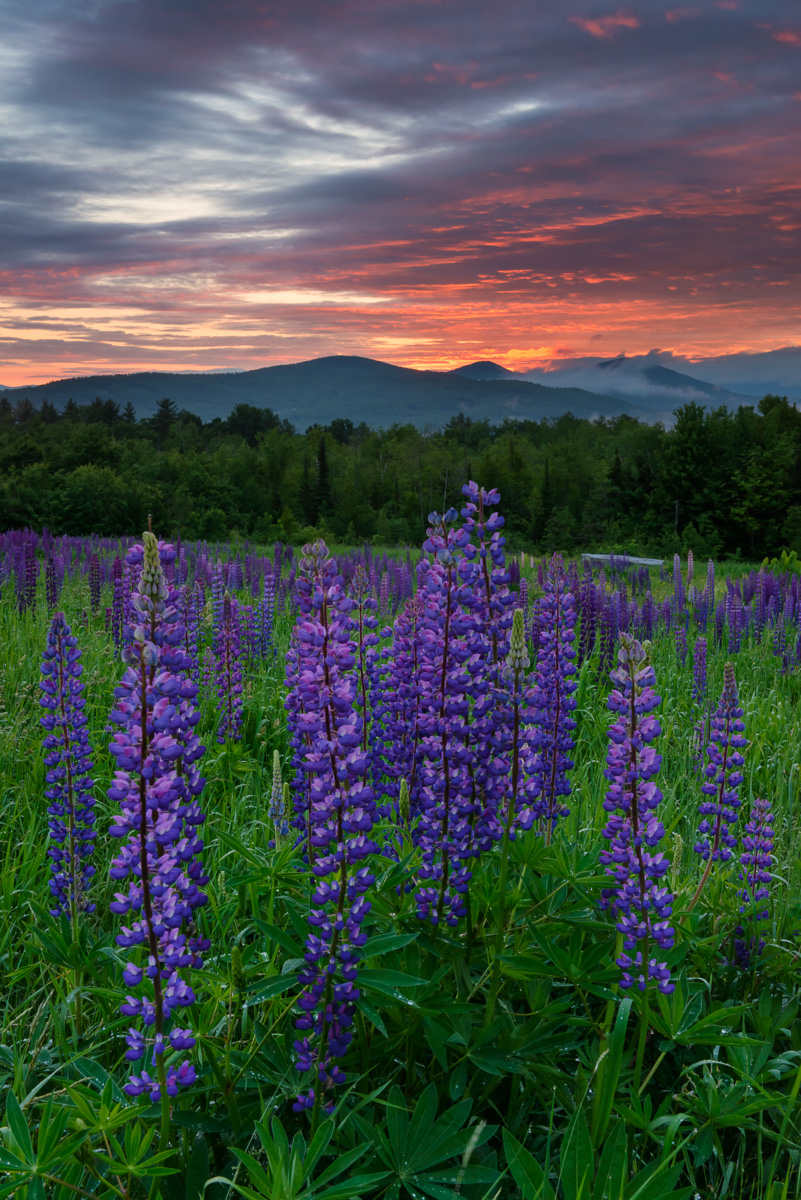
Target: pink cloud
601	27
790	37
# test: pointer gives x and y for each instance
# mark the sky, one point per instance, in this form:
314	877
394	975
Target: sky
230	184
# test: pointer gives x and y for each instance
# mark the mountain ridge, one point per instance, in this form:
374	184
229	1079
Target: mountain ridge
317	391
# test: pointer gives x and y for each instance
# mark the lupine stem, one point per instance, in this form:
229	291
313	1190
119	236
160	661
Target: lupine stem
500	933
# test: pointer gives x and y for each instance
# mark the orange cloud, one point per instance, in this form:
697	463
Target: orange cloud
602	27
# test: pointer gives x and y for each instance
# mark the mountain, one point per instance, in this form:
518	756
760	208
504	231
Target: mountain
728	379
485	370
641	379
321	389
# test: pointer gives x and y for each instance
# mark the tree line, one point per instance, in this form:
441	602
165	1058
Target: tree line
719	482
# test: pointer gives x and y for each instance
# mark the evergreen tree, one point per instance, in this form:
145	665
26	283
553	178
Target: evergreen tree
165	417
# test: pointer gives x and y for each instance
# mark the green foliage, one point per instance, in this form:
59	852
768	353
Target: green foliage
717	482
786	562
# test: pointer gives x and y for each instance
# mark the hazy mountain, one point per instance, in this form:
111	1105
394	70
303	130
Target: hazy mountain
641	379
746	377
322	389
773	372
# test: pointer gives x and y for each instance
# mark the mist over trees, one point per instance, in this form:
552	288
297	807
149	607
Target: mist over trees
717	482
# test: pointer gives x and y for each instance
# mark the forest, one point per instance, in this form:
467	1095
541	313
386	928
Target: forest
717	482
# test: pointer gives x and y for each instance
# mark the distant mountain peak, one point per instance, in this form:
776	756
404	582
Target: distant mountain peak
484	369
611	363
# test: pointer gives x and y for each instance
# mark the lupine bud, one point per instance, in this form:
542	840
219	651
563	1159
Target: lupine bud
237	971
517	658
404	802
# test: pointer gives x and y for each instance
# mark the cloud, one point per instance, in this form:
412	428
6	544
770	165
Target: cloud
602	27
244	182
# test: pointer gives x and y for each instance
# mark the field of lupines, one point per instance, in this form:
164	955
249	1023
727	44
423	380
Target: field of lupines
342	876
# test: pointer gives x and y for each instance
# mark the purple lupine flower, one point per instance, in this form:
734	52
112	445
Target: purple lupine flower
608	635
756	860
267	612
734	613
485	647
723	777
117	602
681	643
157	783
699	671
641	904
365	625
699	692
52	583
400	754
228	658
445	800
588	616
341	809
68	762
551	700
648	617
94	582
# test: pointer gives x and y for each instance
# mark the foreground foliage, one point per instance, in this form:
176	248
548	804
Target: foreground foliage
493	1057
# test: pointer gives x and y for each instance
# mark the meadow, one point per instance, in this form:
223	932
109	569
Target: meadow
380	937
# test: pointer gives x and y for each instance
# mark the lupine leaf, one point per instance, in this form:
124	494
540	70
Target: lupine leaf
526	1171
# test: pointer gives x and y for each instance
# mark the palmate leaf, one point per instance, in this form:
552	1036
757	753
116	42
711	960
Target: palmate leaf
526	1171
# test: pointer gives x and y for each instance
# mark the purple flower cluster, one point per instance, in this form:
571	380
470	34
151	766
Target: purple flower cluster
756	860
551	700
94	582
228	658
157	784
68	763
642	905
400	755
487	641
723	776
323	710
446	667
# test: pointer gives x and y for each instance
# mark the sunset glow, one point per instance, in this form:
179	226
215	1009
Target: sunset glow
237	185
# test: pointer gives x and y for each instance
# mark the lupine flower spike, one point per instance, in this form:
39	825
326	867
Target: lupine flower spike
68	762
641	904
341	808
723	777
156	785
756	861
551	700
